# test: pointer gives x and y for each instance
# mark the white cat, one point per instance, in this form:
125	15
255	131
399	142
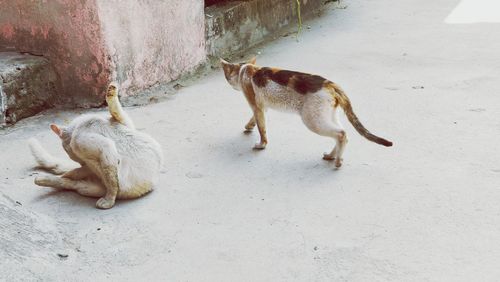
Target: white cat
116	160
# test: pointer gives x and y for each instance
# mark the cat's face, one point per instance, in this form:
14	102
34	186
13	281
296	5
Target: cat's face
232	72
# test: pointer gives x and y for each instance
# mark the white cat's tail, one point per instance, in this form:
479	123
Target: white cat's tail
46	161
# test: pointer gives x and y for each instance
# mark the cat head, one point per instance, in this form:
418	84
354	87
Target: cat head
232	72
65	134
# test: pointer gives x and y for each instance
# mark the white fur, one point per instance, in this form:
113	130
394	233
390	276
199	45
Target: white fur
279	97
315	109
116	160
48	162
140	155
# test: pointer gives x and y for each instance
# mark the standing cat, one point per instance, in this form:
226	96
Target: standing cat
313	97
116	160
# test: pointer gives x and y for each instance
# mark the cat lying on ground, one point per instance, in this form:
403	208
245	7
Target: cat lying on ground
313	97
117	161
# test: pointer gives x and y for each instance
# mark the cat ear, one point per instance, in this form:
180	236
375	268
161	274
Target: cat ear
56	130
224	62
252	60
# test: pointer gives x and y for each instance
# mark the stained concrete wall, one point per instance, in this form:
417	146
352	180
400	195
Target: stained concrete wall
66	32
90	42
237	25
28	85
137	43
152	41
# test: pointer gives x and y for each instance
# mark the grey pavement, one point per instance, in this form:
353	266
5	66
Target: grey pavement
427	209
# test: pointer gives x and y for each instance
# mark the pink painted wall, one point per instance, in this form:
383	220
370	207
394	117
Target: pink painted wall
90	42
151	41
66	32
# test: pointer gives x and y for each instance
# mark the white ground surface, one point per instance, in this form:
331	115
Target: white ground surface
427	209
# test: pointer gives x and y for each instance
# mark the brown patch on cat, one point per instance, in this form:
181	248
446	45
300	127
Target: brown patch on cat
302	83
307	83
261	77
335	102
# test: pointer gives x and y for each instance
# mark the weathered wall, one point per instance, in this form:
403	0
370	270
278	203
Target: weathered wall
28	85
66	32
90	42
152	41
237	25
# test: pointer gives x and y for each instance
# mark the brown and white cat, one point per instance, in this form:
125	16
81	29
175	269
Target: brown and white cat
116	161
314	98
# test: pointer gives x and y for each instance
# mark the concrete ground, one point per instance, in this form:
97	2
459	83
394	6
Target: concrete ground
427	209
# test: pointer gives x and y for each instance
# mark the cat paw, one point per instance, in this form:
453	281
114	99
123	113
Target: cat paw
112	93
104	203
248	130
328	157
43	180
260	146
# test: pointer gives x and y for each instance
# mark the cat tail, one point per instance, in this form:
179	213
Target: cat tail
341	98
46	161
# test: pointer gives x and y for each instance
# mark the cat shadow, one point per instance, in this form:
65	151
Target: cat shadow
73	198
66	196
240	152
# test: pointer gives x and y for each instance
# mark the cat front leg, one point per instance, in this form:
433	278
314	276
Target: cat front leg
261	125
101	156
250	125
109	170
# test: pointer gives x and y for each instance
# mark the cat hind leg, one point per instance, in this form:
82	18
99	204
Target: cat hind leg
78	173
250	125
340	137
86	188
115	108
342	141
330	156
318	118
261	125
339	148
